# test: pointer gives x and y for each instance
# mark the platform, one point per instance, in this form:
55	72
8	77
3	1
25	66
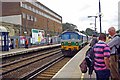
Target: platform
71	69
13	52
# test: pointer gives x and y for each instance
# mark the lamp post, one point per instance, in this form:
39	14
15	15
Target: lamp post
48	39
100	16
46	27
47	33
95	20
54	29
20	30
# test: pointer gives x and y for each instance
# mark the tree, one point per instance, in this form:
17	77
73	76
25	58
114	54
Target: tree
77	30
90	32
68	26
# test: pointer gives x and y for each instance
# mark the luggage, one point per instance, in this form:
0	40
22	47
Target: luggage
83	66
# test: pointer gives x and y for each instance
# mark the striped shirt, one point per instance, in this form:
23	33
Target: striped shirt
101	50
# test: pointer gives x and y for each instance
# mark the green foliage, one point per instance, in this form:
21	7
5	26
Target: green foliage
118	31
68	26
84	32
89	31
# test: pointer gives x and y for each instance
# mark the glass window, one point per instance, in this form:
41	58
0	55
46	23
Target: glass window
33	10
30	8
24	15
35	19
28	17
32	18
21	5
35	4
74	36
36	11
26	6
65	36
40	6
39	13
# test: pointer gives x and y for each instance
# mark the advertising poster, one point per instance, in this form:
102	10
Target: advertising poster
37	36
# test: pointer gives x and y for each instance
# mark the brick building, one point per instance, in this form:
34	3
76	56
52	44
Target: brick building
30	14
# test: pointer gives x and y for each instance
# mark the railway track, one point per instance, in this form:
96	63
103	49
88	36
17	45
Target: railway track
49	72
26	57
20	56
25	67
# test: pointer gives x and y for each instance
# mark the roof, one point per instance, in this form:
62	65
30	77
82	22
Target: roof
3	29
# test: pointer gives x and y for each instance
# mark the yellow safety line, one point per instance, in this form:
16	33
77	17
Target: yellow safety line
82	76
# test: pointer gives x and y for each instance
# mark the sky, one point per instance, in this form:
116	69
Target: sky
77	12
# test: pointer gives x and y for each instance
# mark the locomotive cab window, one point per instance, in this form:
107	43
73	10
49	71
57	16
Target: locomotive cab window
65	37
74	36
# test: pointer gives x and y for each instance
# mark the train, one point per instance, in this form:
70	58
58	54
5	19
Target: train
72	42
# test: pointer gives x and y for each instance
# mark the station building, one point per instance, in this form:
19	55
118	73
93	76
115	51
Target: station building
26	15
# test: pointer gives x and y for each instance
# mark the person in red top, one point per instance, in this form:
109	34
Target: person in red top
26	43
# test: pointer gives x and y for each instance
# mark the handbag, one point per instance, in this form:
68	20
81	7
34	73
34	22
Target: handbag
83	66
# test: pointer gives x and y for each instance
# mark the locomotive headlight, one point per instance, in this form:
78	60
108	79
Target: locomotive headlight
77	43
62	43
69	43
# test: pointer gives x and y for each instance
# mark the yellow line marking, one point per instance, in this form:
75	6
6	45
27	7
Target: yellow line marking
82	76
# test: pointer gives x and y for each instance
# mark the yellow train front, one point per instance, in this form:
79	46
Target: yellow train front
72	42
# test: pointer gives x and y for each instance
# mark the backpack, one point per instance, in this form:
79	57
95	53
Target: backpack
117	48
118	53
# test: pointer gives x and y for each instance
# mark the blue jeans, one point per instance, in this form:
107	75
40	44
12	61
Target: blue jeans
102	74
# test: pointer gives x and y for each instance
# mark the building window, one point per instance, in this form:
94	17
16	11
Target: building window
25	6
30	8
28	17
39	12
32	18
21	4
33	9
35	19
24	15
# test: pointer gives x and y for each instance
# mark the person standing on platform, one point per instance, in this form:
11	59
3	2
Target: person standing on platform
26	43
12	44
51	41
115	41
101	58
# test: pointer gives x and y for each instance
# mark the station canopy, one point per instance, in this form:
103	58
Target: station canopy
3	29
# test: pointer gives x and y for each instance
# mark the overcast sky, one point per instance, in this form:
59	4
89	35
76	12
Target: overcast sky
77	12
